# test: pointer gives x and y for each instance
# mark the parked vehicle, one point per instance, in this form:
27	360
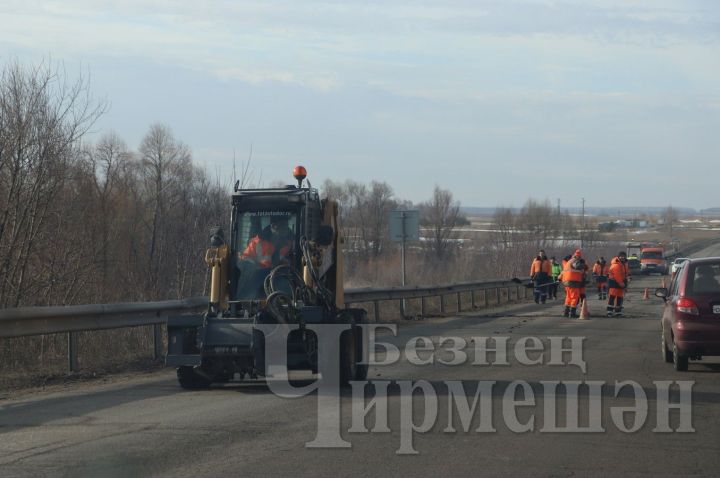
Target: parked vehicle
652	260
634	249
691	317
677	263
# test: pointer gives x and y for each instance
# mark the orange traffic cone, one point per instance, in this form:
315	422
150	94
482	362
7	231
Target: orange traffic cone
646	295
584	313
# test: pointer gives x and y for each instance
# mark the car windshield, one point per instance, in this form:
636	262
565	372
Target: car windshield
705	279
652	255
263	240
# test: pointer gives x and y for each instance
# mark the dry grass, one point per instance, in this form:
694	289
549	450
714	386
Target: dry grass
31	361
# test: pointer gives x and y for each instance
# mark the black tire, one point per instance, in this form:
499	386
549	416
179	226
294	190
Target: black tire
679	361
361	370
666	354
191	380
348	358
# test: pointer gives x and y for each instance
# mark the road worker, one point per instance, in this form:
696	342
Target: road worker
617	284
555	271
573	278
272	245
540	271
586	271
565	261
600	275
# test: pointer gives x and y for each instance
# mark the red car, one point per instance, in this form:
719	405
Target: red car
691	318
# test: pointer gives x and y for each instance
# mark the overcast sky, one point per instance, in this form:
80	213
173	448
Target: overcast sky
617	101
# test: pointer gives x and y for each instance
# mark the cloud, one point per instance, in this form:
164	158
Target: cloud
477	92
325	45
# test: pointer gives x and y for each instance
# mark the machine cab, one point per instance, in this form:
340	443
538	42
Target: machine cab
268	227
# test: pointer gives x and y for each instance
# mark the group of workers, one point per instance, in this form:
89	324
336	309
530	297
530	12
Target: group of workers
573	273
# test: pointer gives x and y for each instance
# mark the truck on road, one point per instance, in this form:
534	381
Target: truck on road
652	259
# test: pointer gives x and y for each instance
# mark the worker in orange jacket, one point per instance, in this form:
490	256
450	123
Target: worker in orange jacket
540	271
573	278
586	271
565	261
271	246
617	284
600	275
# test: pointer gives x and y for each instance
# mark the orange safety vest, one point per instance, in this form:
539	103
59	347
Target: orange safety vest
573	277
543	265
600	270
617	274
260	251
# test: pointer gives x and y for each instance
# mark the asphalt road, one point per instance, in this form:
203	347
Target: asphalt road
149	426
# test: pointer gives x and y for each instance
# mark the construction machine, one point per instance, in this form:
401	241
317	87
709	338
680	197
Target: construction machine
281	264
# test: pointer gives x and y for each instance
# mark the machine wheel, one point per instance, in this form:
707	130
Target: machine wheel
667	354
190	380
680	361
348	358
361	370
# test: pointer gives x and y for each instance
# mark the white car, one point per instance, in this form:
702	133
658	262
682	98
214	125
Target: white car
677	264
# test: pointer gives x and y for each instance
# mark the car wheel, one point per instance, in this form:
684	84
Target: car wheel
348	358
361	369
191	380
667	354
679	361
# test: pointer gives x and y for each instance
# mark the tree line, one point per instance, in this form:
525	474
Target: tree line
94	222
88	222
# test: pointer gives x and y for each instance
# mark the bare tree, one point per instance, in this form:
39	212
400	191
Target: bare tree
107	162
440	215
42	119
669	216
504	232
165	163
379	204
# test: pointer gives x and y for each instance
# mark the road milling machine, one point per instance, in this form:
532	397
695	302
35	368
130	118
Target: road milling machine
281	264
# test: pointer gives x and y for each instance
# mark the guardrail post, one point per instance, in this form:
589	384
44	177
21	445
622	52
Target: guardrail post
72	352
376	309
486	298
442	304
422	306
459	302
157	341
509	296
472	299
497	295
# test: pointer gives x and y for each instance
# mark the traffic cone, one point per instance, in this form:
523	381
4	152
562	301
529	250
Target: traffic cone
646	295
584	313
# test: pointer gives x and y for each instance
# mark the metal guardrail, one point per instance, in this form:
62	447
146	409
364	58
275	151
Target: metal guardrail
354	296
29	321
691	248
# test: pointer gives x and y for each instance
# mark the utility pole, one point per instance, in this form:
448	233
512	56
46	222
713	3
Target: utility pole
402	252
582	224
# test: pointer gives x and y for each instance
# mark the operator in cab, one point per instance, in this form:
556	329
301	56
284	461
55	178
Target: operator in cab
272	245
